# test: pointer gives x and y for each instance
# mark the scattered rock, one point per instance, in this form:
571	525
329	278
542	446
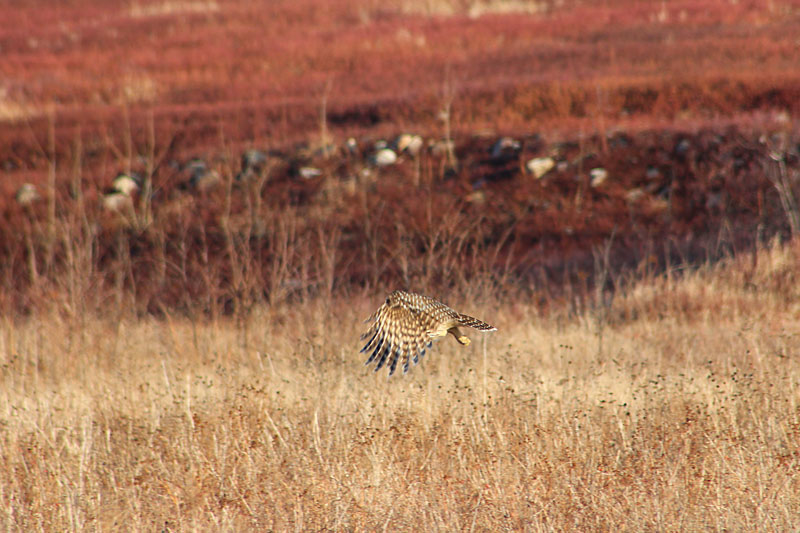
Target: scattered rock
505	148
27	194
384	157
408	143
126	184
351	145
539	166
308	173
117	201
598	175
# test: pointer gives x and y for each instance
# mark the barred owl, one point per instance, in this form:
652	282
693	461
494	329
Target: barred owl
406	325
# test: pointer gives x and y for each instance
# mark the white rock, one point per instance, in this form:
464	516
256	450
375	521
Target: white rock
411	144
598	175
308	173
539	166
27	194
385	157
117	201
125	184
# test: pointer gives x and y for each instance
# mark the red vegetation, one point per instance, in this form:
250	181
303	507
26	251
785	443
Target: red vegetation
206	63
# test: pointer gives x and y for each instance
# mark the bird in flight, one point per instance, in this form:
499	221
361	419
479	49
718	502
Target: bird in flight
406	324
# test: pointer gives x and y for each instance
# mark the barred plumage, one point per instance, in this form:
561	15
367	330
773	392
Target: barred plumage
406	325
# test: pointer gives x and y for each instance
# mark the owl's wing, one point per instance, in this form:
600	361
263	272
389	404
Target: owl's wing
397	331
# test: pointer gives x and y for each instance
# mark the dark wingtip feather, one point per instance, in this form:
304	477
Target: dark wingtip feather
366	346
384	355
375	352
395	357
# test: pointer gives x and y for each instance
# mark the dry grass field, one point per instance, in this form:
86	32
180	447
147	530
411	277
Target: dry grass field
674	406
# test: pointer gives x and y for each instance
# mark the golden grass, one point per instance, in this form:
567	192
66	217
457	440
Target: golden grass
677	408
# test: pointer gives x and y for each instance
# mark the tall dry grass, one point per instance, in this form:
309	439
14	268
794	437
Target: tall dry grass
686	417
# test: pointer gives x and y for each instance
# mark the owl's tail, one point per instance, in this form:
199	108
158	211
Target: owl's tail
466	320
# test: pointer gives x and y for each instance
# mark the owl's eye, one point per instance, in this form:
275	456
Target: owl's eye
388	302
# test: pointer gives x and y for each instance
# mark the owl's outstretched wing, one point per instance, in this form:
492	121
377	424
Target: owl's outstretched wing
397	330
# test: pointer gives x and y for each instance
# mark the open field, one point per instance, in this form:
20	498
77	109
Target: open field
684	106
688	108
200	202
674	407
